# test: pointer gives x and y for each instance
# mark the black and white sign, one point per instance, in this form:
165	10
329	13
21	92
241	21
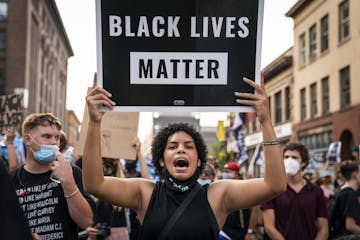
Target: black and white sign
190	55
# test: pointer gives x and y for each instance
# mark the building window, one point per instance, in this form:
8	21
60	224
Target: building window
313	99
344	21
303	104
3	10
325	95
324	33
345	87
270	105
278	107
2	80
317	140
312	42
302	47
3	37
287	103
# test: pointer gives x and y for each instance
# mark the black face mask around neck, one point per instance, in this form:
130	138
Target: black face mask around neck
179	186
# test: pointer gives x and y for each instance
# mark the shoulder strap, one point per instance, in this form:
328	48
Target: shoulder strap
178	212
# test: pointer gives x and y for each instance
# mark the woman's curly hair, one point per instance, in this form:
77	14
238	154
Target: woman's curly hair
160	140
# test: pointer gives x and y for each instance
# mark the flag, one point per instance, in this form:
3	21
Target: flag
240	147
220	131
256	159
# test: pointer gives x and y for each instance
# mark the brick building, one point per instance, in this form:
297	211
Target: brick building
34	50
312	87
326	73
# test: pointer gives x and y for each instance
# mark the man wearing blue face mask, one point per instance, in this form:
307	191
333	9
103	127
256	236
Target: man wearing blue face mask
49	190
208	175
300	212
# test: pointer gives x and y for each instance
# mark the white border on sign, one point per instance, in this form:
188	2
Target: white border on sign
99	74
259	42
179	108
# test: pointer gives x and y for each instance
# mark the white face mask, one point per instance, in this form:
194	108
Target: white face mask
228	175
292	166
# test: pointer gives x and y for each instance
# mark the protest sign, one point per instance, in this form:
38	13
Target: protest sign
188	55
11	111
334	153
118	130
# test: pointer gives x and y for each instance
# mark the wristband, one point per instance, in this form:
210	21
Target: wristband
72	194
270	143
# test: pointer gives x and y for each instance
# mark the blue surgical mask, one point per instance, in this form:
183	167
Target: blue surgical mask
204	181
46	154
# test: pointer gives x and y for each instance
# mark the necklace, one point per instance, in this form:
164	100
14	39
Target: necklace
25	191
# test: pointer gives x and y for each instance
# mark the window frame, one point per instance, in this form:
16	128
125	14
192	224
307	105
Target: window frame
303	104
278	107
302	50
324	33
345	88
3	40
344	21
313	100
287	103
312	42
3	10
325	97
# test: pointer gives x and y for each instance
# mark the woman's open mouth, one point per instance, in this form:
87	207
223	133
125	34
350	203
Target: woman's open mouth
181	163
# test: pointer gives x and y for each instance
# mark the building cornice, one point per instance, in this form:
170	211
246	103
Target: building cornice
72	113
277	66
58	22
297	8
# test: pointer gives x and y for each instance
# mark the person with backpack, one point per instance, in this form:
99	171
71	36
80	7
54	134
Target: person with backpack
344	211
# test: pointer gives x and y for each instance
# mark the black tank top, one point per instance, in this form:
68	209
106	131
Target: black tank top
197	221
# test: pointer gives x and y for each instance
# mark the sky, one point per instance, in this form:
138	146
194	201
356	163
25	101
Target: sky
79	21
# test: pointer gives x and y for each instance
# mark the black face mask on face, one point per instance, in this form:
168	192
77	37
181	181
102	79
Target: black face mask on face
179	186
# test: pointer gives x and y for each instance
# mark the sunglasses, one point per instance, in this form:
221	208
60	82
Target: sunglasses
48	120
207	173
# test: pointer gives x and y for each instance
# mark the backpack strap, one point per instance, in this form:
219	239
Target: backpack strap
334	212
179	211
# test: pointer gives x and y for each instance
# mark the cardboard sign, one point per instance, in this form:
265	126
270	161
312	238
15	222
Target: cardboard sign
188	55
118	130
11	111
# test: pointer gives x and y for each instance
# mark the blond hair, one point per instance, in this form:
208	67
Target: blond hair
40	119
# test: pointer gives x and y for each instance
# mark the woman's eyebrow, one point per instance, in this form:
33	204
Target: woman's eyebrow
176	142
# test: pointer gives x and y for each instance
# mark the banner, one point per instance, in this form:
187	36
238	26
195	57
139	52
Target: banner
11	111
118	130
190	55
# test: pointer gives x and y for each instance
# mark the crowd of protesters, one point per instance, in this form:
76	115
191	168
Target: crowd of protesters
44	196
